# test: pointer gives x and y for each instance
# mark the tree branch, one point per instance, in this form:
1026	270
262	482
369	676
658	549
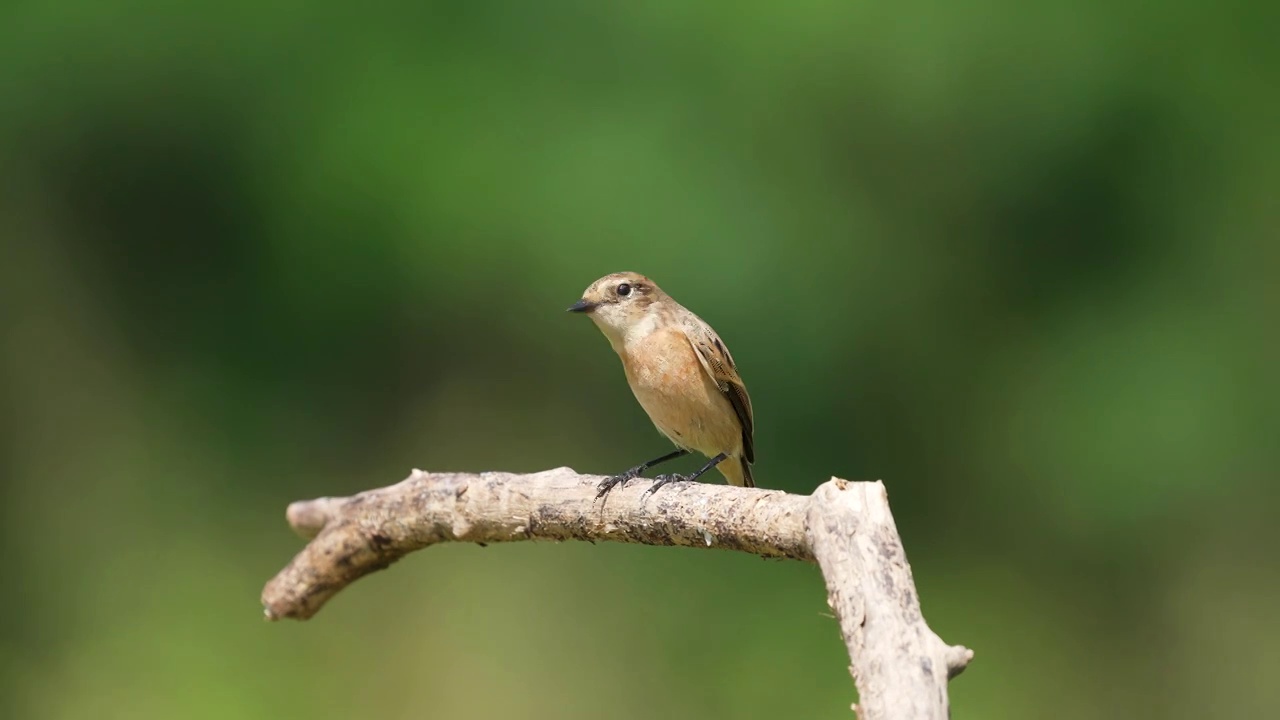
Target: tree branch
900	666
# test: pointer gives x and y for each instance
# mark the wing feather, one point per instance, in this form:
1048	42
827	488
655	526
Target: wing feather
718	363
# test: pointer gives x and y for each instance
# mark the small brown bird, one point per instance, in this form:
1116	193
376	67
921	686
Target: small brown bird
682	374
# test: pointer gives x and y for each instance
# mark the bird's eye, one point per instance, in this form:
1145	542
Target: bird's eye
624	290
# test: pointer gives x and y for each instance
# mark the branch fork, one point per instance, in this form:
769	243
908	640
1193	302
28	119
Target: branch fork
900	666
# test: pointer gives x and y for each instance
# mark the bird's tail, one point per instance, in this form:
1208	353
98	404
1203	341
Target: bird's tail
737	471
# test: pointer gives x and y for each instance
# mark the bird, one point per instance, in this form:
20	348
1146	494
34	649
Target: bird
680	372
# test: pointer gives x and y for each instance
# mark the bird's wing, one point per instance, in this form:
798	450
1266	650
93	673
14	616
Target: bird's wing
718	363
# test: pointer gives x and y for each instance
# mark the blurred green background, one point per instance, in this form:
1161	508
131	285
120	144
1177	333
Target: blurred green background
1017	260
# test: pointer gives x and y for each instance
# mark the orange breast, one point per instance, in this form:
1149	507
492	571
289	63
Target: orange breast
673	388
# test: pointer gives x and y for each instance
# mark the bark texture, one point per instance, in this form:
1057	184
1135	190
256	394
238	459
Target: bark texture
900	666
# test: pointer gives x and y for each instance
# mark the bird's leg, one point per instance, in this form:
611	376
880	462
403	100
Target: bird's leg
677	477
621	479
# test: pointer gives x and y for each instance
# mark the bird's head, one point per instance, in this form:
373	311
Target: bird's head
618	302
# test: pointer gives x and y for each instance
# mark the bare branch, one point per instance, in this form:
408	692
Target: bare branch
900	666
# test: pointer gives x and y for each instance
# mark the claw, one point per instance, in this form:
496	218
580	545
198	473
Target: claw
621	479
610	483
661	480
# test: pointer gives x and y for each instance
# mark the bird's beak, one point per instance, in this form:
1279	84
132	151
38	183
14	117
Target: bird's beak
583	306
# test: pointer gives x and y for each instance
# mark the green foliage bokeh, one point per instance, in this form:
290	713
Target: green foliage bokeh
1015	260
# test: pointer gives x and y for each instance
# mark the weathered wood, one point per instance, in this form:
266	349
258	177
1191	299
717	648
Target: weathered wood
900	666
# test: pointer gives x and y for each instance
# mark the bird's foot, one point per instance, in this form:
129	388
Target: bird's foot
661	480
620	479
